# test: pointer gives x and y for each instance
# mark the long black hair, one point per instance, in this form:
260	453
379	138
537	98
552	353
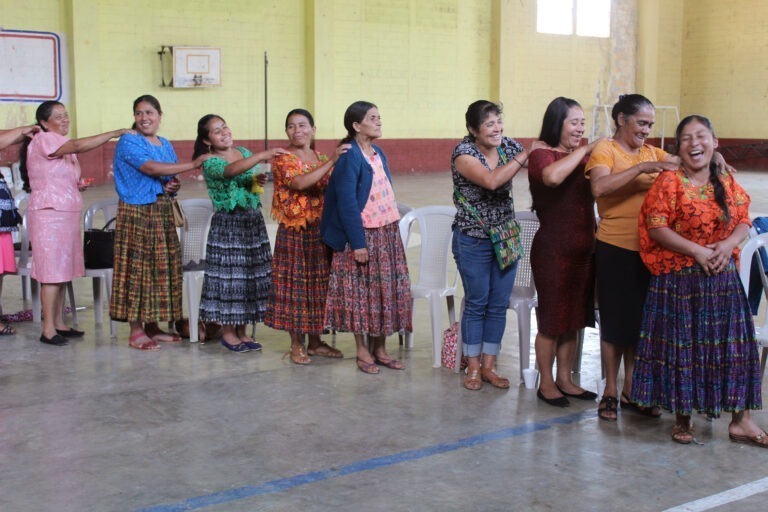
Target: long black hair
554	117
43	113
355	113
202	133
305	113
714	170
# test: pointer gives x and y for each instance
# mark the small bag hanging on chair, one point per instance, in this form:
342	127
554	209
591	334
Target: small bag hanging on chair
99	247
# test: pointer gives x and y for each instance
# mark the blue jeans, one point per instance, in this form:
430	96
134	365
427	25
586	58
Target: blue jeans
486	294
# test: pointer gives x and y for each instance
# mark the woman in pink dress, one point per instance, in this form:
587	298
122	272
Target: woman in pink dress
51	174
9	214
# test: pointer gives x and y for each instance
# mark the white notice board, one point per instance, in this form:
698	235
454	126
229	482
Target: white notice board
30	66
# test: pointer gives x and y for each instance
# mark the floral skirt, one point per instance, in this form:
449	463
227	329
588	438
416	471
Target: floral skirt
697	349
374	298
300	271
238	266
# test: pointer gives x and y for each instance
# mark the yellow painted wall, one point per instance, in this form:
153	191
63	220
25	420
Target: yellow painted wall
421	61
725	65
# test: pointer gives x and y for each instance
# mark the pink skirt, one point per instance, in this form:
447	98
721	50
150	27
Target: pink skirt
7	256
57	245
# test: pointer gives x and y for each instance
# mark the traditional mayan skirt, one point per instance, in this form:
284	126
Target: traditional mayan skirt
7	255
147	282
374	298
238	269
697	349
300	271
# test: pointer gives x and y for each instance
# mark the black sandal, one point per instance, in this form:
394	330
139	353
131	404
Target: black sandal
609	404
640	409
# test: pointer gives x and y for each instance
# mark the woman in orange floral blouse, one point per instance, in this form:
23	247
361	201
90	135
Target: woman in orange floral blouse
301	262
697	348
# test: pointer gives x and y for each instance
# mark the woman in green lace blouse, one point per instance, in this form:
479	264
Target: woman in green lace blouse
238	257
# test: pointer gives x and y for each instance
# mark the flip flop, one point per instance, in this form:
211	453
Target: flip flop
366	367
610	403
148	344
7	330
325	350
392	364
760	440
640	409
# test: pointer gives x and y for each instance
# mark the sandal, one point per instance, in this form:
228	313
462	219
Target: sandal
608	408
298	355
366	367
651	412
7	330
473	381
325	350
391	363
682	434
165	337
141	341
760	440
489	375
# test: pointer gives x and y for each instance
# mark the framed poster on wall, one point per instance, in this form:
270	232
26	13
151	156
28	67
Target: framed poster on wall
31	67
196	66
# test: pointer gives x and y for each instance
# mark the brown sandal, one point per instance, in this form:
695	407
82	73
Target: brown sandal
473	381
489	376
325	350
682	434
298	355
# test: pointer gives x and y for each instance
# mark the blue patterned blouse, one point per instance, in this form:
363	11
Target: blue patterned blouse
133	151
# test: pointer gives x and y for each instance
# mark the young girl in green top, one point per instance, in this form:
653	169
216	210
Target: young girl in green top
238	257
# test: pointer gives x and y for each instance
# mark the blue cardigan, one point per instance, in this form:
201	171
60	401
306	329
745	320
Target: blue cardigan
345	199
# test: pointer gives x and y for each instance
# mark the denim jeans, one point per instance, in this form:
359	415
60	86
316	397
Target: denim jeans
486	294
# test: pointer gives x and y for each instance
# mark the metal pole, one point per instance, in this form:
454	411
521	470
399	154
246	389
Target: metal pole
266	66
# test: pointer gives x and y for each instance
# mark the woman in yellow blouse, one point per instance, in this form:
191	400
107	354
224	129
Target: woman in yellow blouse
238	257
301	261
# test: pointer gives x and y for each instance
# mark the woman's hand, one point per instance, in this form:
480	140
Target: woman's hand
720	255
361	255
126	131
340	150
172	186
719	160
702	257
656	167
198	162
29	131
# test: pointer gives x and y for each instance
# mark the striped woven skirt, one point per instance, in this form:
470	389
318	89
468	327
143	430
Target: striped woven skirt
147	273
300	271
238	267
374	298
697	349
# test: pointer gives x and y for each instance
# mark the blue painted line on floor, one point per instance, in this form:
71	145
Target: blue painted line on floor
283	484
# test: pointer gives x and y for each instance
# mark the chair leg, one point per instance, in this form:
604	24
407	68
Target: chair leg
193	305
72	305
524	335
437	338
108	285
98	301
763	360
459	343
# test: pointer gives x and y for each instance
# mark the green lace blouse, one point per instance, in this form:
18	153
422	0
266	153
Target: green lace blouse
229	193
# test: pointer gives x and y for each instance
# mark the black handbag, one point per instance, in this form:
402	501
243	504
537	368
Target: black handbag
99	247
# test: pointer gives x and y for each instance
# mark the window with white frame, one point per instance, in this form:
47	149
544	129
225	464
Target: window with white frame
590	18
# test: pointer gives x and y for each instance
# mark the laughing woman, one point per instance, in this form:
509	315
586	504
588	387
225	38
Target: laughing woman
697	349
238	257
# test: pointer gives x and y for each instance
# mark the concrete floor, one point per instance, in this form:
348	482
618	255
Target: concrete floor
96	426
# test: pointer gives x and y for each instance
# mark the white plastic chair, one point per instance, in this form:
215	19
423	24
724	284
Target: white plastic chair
523	298
750	249
194	237
102	277
434	225
24	270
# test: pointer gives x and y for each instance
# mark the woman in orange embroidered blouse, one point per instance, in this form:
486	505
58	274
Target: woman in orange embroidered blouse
697	348
301	262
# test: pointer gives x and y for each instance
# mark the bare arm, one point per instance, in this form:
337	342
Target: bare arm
722	251
15	135
603	183
242	165
675	242
88	143
556	172
152	168
472	169
304	181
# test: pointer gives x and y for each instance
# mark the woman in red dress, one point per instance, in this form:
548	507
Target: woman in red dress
562	251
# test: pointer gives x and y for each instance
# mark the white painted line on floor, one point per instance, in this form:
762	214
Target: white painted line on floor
723	498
